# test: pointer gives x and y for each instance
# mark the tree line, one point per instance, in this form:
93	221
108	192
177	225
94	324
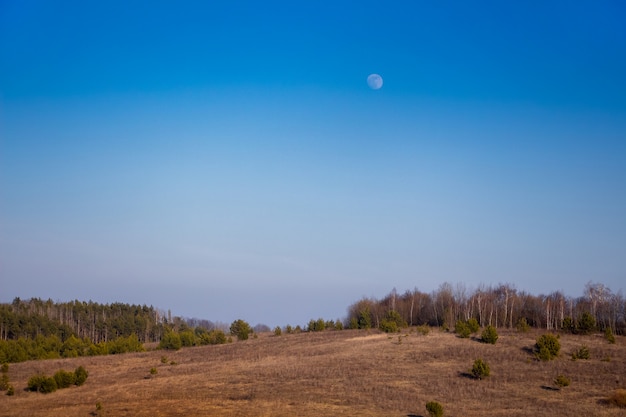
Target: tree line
38	329
97	322
499	306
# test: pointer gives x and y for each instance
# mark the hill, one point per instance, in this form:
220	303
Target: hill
334	373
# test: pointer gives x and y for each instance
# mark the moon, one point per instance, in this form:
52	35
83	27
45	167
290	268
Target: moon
374	81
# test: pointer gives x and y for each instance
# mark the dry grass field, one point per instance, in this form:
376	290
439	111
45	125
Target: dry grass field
343	373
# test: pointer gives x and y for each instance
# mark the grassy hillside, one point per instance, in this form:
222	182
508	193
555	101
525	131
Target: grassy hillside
347	373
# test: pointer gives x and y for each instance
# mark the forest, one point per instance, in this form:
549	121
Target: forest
38	329
499	306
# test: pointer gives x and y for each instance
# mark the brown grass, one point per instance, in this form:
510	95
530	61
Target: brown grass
343	373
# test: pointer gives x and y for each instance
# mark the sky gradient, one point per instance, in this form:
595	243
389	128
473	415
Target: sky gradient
229	161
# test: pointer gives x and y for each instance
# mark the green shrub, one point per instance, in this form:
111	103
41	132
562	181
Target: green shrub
124	345
42	383
609	336
582	353
395	317
318	325
522	325
562	381
164	359
473	325
35	381
462	329
241	329
586	323
64	379
80	376
170	341
187	338
277	331
568	325
289	329
74	347
480	369
364	319
153	371
354	323
618	398
10	390
338	325
489	335
434	409
217	337
388	326
547	347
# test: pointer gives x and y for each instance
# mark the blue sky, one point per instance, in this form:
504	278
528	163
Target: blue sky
229	160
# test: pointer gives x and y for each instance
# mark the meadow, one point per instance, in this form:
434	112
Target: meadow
334	373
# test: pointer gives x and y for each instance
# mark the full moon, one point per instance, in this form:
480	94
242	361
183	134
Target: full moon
374	81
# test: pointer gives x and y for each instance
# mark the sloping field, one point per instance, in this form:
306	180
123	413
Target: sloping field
334	373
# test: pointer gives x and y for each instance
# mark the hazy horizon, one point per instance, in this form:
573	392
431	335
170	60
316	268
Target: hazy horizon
230	161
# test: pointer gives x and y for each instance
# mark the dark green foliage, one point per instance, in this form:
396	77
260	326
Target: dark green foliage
61	379
241	329
364	319
64	379
34	382
562	381
80	376
586	323
434	409
35	317
354	323
316	325
582	353
389	326
51	347
338	325
608	335
214	337
480	369
547	347
187	338
489	335
568	325
42	383
74	347
522	325
125	345
278	331
462	329
473	325
153	371
392	322
289	329
170	341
